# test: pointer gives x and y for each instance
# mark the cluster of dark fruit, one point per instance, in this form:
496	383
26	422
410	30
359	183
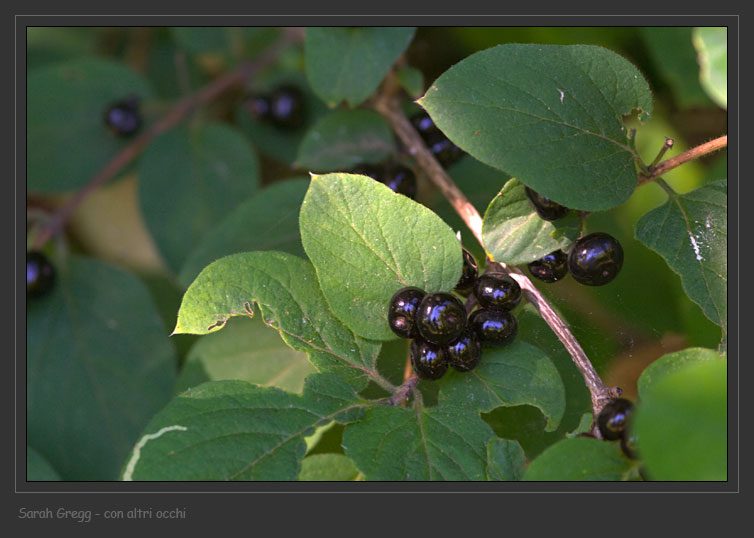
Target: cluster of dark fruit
443	334
123	117
282	107
613	423
399	178
445	151
594	259
40	274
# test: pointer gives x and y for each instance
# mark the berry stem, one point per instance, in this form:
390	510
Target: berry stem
694	153
388	106
179	111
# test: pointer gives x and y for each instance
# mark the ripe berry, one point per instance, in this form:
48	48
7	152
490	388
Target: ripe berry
259	106
445	151
464	353
428	359
123	117
287	107
402	180
401	314
545	208
424	125
550	268
497	291
495	328
469	275
40	274
595	259
628	442
441	318
613	418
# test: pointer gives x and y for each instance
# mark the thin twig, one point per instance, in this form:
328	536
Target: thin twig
601	394
694	153
165	123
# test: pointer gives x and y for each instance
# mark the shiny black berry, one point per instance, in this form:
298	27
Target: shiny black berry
259	106
428	359
545	208
123	118
613	419
550	268
495	328
424	125
441	318
445	151
497	291
464	353
40	274
595	259
628	442
287	107
401	313
402	180
469	274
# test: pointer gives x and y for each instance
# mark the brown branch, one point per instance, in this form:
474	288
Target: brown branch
601	394
165	123
694	153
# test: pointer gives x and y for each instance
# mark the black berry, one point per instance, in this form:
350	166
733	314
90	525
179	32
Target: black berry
628	442
428	359
123	118
259	106
613	419
495	328
402	180
550	268
40	274
469	274
464	353
287	107
445	151
545	208
595	259
401	314
441	318
497	291
424	125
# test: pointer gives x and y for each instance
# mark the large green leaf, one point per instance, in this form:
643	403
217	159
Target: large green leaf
505	460
690	232
67	140
53	44
285	289
513	232
232	430
580	458
671	363
348	63
345	138
37	468
435	443
266	221
327	467
99	365
549	115
517	375
191	178
681	423
712	53
367	242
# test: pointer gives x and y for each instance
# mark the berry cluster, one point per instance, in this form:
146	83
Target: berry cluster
593	260
40	274
445	151
123	118
399	178
283	107
443	335
613	422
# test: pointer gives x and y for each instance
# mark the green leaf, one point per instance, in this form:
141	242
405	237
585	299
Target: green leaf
99	365
367	242
348	63
513	232
712	49
580	458
505	460
585	426
190	179
327	467
232	430
690	232
249	350
285	289
681	423
67	140
215	39
517	375
670	363
436	443
266	221
39	469
345	138
49	45
411	79
549	115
